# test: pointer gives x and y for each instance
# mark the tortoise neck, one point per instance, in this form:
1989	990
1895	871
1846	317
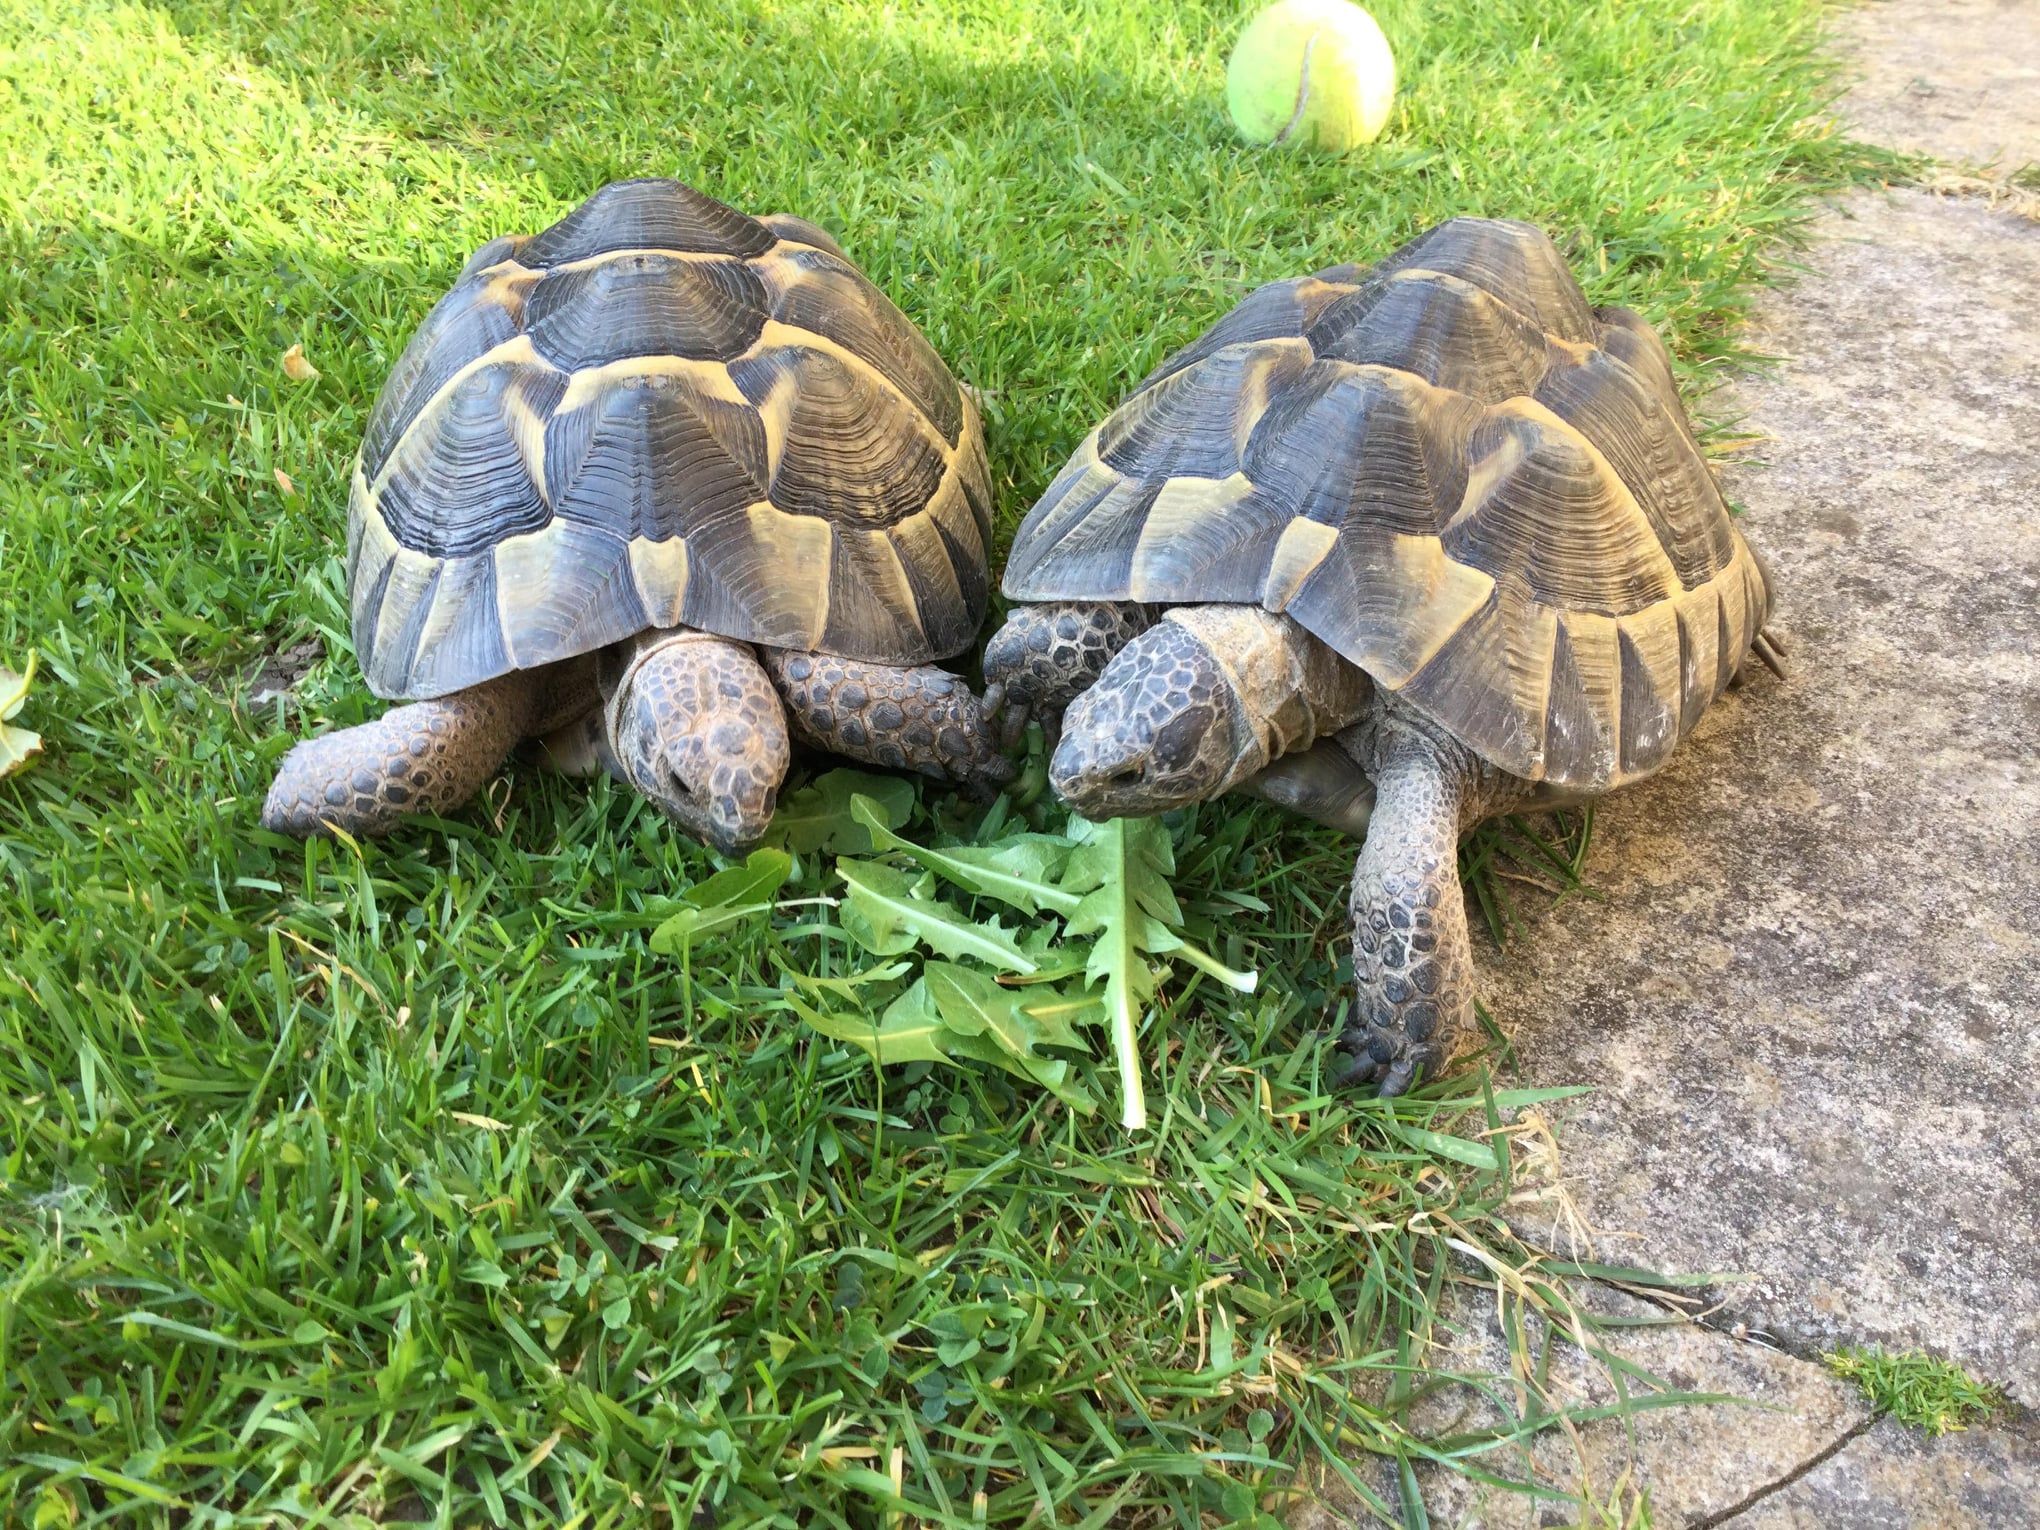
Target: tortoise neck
1292	688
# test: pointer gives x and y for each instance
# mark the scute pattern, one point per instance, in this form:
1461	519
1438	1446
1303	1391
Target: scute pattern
1477	488
844	453
662	412
643	303
1515	262
1450	333
1277	311
821	292
462	480
655	456
647	214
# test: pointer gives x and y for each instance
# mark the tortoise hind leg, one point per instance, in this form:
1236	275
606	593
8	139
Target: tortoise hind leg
1324	783
907	717
427	757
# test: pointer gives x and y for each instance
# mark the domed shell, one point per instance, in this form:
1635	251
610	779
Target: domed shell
660	412
1477	488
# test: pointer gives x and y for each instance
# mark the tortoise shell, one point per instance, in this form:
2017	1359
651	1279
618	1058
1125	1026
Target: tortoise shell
1475	487
660	412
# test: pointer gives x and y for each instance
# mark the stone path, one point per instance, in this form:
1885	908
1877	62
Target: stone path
1804	997
1955	79
1806	994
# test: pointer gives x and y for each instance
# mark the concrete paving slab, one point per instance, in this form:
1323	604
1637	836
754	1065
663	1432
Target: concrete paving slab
1894	1478
1789	1412
1798	1450
1956	79
1806	994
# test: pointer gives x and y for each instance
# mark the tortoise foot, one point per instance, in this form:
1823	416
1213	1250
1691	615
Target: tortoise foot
1384	1057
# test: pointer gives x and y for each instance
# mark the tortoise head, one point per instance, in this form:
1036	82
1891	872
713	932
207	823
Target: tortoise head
1162	728
695	725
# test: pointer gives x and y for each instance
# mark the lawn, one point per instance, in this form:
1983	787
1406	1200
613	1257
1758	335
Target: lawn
406	1183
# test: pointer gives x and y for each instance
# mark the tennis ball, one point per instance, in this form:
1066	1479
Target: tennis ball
1311	71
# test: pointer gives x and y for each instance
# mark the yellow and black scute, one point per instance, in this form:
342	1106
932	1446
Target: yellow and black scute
661	412
1449	467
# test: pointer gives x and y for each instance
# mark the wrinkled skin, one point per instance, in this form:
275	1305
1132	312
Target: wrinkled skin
1198	704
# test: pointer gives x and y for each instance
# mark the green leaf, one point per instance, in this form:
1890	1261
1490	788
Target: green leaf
906	1032
732	896
887	913
1061	1008
916	1014
1134	852
973	1004
1053	1074
847	984
763	873
1126	863
818	817
1122	868
678	934
17	745
1020	871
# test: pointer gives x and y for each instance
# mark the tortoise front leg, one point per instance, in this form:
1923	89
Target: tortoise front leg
907	717
1046	655
1412	953
428	757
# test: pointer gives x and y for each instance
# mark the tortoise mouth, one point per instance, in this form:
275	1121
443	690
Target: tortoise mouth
730	815
1108	785
720	819
1109	766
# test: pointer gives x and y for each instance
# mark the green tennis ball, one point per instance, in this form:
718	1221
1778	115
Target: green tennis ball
1311	71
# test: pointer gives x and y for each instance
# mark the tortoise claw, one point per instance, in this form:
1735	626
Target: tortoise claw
1007	709
1390	1061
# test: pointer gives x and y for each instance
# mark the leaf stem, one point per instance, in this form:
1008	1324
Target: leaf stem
1126	1048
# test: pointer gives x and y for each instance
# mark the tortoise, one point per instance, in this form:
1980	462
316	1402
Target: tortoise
665	487
1400	548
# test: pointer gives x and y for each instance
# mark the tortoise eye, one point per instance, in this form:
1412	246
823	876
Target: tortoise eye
1177	743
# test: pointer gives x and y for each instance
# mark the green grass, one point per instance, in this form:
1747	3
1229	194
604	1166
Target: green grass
350	1188
1937	1396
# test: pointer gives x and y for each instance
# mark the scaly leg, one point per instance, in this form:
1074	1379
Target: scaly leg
427	757
907	717
1412	955
1045	655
